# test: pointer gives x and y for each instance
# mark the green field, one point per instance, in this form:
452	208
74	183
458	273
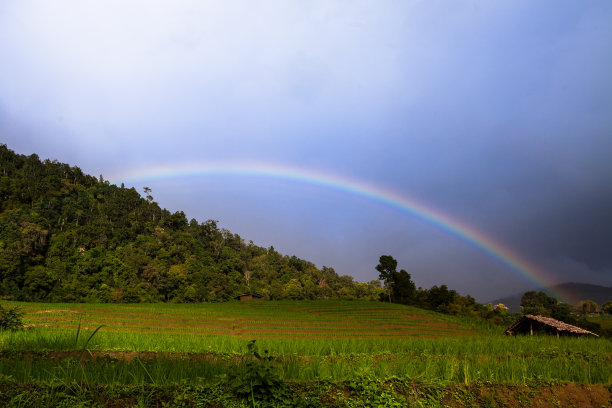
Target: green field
288	328
162	345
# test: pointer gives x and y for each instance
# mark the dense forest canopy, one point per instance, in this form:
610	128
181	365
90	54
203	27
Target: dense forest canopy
66	236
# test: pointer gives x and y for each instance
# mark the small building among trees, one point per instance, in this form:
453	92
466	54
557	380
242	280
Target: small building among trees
249	296
529	324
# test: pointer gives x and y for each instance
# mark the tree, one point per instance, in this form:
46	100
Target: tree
399	285
539	303
148	195
501	307
292	290
387	269
404	287
607	307
587	307
439	298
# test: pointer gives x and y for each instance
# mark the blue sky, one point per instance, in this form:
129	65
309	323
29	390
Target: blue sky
496	113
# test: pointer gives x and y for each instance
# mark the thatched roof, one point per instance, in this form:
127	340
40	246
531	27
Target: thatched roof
526	323
253	295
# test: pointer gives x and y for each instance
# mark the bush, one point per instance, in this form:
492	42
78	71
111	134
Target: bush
11	318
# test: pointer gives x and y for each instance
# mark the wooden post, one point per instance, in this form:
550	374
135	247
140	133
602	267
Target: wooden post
531	328
557	333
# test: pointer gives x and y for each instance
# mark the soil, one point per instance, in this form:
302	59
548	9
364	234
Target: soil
568	395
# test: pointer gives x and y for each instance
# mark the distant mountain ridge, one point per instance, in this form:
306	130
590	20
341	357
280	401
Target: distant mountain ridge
576	292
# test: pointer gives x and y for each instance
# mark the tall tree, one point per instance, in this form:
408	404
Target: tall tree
148	195
387	269
404	288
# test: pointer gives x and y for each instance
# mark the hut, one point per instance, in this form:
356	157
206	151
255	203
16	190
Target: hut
248	296
530	324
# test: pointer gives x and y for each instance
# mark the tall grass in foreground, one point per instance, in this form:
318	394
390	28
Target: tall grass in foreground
450	360
292	368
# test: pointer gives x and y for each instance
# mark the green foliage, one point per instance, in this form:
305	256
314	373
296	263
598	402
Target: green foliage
586	307
372	392
399	285
539	303
606	308
258	378
70	237
11	318
387	391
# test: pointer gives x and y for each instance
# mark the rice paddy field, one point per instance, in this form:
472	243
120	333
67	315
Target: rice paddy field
343	349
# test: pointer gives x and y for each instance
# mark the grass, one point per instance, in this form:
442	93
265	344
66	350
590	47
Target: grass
303	328
446	370
604	321
311	341
264	318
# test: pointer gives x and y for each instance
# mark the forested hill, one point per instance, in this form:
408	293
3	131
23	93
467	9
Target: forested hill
71	237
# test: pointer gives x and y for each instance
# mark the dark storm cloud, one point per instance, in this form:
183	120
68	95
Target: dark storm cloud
566	211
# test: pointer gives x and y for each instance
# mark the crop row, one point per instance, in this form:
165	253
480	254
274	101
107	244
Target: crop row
449	369
247	324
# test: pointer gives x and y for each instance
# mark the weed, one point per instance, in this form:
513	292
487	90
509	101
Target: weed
259	378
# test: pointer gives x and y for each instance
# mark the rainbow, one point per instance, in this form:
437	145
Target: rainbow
494	249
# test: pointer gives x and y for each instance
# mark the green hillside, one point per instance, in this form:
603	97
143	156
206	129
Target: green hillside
66	236
360	326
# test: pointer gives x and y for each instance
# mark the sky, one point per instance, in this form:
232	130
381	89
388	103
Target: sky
386	127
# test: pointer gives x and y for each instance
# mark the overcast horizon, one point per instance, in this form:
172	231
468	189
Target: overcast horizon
497	114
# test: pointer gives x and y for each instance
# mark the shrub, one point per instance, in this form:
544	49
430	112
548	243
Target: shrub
11	318
259	377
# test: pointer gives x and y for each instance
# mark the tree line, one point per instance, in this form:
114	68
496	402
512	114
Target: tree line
66	236
399	288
